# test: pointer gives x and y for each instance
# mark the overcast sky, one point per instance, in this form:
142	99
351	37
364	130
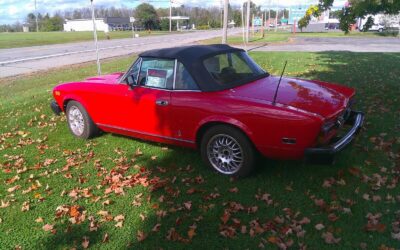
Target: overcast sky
16	10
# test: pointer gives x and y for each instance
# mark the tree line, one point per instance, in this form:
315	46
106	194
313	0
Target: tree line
147	16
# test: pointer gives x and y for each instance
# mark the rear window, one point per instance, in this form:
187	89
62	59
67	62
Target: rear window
231	68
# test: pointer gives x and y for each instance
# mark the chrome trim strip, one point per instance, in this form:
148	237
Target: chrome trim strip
175	66
144	133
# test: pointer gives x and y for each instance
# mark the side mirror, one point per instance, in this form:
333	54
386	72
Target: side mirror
131	82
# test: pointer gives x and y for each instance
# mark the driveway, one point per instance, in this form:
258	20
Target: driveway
354	44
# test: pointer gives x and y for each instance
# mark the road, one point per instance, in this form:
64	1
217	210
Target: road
19	61
354	44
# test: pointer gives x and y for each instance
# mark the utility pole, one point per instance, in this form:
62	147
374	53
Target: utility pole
243	24
95	39
36	17
262	25
225	27
248	21
276	19
252	25
269	16
170	16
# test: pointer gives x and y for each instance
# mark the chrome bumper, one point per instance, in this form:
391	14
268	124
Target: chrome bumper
326	153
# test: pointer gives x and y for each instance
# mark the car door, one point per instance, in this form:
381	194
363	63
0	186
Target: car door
187	105
150	98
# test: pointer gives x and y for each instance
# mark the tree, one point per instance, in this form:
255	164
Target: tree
313	10
52	23
368	24
147	16
360	9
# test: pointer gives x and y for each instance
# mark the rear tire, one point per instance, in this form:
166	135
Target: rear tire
79	122
228	151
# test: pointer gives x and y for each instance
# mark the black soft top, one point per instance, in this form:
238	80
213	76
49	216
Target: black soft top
192	58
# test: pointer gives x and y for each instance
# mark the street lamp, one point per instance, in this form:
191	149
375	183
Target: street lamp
95	38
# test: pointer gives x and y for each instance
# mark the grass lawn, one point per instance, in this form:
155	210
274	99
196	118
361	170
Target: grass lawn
114	192
238	40
20	39
279	37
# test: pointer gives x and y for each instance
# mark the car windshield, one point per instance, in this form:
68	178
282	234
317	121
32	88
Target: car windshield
231	69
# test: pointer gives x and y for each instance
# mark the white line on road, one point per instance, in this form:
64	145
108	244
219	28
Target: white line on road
78	52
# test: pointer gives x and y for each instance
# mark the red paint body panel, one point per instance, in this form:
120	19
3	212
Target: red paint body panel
302	108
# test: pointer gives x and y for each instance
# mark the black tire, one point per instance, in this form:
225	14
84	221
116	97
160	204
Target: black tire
246	147
89	127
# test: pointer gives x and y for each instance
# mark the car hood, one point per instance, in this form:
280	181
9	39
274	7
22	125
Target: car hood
111	78
305	95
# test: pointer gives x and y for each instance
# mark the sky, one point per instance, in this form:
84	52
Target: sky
16	10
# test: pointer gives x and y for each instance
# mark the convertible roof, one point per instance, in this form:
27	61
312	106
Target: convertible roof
192	58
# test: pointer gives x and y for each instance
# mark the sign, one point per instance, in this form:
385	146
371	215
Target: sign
156	78
257	21
295	14
132	19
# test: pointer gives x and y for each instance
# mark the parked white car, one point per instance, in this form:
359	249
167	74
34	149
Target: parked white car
377	27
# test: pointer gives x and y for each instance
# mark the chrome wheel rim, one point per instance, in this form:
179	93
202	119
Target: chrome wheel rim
76	122
225	154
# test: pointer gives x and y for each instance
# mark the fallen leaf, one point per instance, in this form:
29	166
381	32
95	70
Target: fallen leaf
396	236
85	242
12	189
225	217
48	227
141	236
105	238
191	233
319	226
188	205
234	190
329	238
156	227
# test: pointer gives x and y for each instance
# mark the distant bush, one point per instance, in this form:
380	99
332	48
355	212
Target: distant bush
203	27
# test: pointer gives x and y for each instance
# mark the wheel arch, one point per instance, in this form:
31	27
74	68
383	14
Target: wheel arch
211	122
69	98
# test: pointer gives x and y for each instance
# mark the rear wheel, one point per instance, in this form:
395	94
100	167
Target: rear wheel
79	122
228	151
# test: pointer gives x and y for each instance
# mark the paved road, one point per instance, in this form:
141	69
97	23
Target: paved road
30	59
354	44
18	61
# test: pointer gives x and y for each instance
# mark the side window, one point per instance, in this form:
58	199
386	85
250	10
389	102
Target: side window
184	80
134	72
157	73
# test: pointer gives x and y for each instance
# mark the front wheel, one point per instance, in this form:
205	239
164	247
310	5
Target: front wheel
79	122
228	151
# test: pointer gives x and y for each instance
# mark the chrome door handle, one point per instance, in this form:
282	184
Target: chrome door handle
162	102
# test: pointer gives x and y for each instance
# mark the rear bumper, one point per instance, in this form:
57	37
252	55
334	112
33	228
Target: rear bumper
326	153
56	109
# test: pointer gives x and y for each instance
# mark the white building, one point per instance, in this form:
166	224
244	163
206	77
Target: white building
102	24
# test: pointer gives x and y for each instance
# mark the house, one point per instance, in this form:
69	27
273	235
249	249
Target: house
102	24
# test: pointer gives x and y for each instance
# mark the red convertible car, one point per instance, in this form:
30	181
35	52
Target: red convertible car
217	99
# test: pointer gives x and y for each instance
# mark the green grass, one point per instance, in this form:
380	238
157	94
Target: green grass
238	40
20	39
280	37
30	135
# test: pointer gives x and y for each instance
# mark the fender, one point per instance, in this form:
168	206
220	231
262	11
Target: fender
227	120
74	98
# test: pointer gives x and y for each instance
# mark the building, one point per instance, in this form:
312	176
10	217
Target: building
102	24
183	19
